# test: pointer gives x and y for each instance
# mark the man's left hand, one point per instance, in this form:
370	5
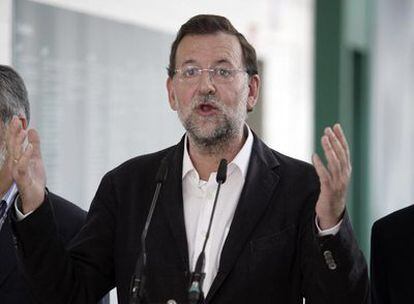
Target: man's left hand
334	178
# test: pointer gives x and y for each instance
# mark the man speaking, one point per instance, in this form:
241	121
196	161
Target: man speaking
265	228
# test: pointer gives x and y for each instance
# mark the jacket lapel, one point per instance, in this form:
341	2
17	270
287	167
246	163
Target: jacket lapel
172	201
260	184
8	260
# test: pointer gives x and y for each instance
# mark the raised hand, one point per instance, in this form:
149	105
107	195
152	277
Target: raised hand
28	169
334	178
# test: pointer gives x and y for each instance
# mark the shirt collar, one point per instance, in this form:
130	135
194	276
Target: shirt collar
241	160
8	197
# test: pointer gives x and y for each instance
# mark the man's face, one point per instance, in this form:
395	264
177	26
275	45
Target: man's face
211	110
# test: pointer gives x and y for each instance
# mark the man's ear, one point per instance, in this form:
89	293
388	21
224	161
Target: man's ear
171	94
254	87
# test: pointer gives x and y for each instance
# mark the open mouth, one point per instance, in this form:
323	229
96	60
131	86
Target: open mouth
206	109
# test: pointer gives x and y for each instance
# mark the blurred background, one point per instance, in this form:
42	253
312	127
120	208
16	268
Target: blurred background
96	72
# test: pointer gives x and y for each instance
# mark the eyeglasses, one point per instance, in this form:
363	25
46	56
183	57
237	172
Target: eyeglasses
219	75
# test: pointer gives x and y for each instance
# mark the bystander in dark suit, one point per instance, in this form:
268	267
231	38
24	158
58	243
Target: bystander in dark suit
14	286
392	258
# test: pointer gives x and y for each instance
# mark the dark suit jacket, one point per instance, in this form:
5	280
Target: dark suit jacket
272	253
392	258
13	285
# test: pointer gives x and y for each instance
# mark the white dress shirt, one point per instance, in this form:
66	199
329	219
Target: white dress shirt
198	198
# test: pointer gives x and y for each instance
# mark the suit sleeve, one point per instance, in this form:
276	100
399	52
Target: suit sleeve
82	274
333	266
69	218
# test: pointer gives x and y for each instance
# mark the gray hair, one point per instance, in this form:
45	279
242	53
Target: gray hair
13	95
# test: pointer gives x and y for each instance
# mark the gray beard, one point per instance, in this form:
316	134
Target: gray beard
218	141
222	136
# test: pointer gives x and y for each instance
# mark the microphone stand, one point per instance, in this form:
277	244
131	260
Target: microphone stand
195	291
137	290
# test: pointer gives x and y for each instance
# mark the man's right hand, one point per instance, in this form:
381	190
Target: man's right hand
28	169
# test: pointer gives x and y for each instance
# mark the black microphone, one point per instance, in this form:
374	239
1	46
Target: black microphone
137	291
195	292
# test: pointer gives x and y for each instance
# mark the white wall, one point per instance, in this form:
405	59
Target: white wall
286	45
392	124
5	31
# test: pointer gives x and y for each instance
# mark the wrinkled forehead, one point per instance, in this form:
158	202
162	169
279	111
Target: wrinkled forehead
209	50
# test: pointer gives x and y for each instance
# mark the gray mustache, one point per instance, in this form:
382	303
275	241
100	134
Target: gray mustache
207	99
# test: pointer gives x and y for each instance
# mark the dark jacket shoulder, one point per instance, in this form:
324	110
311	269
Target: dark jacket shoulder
299	173
296	166
140	164
396	224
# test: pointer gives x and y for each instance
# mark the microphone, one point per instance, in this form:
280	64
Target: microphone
195	292
136	292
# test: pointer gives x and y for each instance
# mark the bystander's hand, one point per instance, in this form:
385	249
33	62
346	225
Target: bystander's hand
28	169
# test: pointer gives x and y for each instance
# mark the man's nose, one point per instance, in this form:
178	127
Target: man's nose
206	84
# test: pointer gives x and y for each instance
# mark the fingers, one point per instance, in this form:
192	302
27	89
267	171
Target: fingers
34	140
338	144
342	139
22	165
321	170
336	151
334	164
20	155
15	136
